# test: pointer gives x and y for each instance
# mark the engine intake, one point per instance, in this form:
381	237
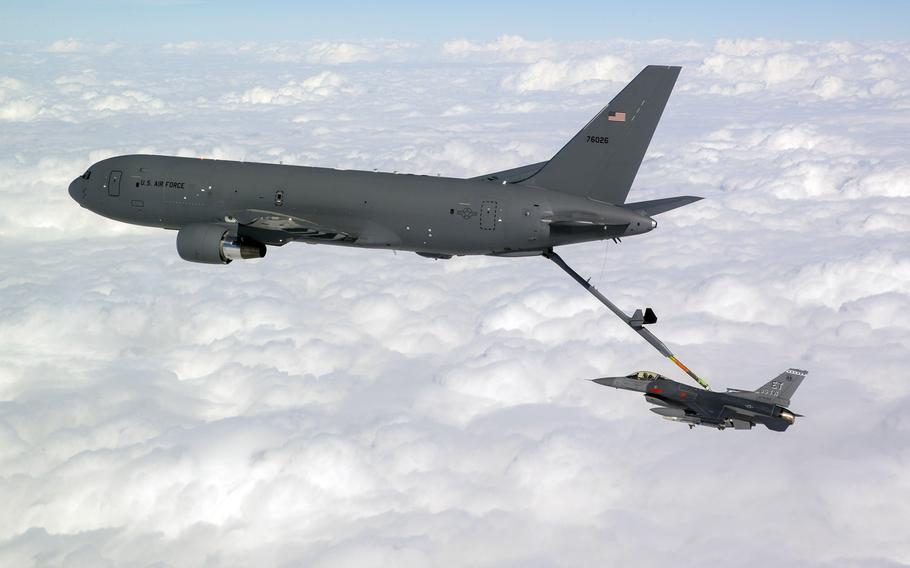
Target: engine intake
211	244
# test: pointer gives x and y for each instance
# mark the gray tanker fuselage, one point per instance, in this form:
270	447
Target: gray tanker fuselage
226	210
437	215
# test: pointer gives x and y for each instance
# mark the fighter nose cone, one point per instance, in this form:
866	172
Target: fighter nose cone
624	383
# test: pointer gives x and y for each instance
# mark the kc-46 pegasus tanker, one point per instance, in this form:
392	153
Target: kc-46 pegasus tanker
228	210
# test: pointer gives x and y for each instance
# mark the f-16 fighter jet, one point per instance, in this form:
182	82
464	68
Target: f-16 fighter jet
738	409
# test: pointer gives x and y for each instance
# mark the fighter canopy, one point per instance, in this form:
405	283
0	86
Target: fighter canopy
645	376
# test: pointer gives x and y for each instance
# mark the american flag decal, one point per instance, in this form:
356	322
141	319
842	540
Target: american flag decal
614	116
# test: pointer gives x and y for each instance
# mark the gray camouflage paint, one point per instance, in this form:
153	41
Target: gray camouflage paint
223	206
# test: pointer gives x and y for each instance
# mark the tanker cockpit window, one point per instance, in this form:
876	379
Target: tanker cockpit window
87	174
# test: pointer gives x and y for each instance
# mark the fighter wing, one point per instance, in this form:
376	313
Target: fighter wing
515	175
277	228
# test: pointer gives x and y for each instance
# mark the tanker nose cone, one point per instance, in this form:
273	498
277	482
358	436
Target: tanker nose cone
75	190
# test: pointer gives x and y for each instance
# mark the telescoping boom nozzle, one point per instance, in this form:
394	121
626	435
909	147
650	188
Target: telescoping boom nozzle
637	321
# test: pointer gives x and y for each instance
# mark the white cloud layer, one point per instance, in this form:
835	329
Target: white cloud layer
314	53
334	407
322	85
503	48
546	75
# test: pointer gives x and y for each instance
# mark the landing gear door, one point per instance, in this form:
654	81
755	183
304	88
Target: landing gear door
113	183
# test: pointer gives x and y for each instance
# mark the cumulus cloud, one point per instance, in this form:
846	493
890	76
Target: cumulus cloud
65	46
322	53
328	53
15	104
9	84
834	70
127	101
329	406
310	52
72	46
19	110
185	47
321	85
777	68
503	48
584	75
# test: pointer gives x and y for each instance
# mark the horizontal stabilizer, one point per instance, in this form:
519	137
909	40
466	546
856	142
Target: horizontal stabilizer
658	206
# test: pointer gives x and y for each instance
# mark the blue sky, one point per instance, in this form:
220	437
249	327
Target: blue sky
152	21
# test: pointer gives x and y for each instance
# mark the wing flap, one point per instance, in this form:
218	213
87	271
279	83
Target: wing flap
289	227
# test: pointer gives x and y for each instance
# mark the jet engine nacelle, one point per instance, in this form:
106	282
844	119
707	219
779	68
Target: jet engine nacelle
211	244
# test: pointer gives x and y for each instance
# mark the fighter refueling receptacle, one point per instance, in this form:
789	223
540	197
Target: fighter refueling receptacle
738	409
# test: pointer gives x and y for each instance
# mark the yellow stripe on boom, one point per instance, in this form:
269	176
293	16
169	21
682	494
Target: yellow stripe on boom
698	379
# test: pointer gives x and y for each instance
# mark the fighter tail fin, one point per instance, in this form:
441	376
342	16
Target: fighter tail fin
602	159
782	387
